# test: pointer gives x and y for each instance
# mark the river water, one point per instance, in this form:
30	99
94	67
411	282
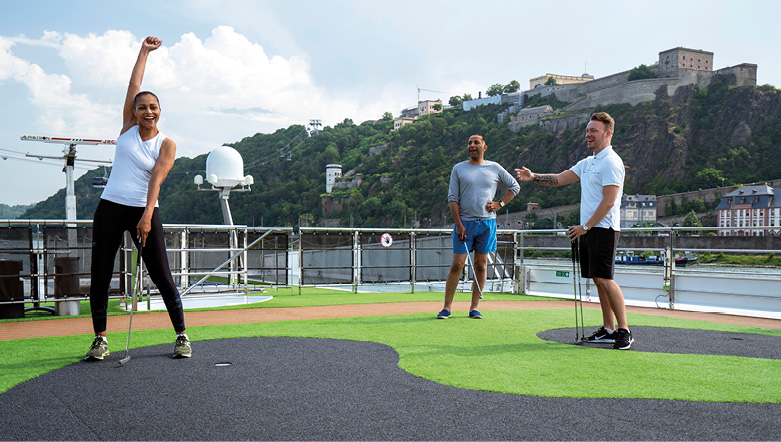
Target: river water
696	268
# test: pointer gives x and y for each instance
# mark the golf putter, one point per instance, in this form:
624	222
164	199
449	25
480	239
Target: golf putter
136	286
580	300
577	291
474	274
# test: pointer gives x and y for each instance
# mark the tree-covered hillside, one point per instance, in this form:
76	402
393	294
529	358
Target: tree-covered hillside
691	140
11	212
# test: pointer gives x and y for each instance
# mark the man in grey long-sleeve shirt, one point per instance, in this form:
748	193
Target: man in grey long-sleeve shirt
473	185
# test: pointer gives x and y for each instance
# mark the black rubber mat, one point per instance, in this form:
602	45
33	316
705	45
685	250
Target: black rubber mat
682	341
317	389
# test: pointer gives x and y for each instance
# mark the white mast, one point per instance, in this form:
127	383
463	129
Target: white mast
69	155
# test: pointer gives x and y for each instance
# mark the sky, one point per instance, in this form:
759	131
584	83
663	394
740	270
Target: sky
231	69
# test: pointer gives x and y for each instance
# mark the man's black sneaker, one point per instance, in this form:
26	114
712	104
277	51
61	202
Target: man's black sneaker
623	339
601	336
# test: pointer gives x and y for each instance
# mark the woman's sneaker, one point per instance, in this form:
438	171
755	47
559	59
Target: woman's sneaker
444	314
623	339
601	336
98	350
182	348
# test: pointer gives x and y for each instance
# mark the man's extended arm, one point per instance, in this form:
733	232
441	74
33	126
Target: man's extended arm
547	179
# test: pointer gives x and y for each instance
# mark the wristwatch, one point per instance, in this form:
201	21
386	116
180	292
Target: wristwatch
501	203
585	228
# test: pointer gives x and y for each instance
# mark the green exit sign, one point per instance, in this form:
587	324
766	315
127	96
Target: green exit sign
562	274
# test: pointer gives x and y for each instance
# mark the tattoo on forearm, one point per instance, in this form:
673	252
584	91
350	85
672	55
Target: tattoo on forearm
546	179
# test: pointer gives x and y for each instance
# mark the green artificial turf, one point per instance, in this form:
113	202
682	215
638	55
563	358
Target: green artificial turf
290	297
500	353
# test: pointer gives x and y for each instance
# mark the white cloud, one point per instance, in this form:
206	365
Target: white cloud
227	71
59	110
49	40
216	90
100	61
261	21
225	87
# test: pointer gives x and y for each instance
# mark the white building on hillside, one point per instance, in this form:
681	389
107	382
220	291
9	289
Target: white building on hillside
637	209
332	172
750	206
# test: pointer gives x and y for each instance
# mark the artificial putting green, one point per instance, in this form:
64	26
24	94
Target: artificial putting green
500	353
290	297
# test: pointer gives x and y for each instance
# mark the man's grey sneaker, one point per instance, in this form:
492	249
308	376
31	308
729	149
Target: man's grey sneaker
474	314
601	336
623	339
98	350
444	314
182	348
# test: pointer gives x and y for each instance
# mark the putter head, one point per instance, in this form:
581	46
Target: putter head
124	360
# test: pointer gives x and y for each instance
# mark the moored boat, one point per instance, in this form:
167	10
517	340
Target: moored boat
653	260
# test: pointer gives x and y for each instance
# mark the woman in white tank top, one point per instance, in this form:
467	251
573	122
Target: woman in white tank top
144	156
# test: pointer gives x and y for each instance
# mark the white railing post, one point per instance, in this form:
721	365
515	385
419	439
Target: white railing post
300	260
245	263
673	234
356	260
184	257
412	272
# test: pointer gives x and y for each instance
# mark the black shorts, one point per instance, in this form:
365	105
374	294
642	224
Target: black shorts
598	253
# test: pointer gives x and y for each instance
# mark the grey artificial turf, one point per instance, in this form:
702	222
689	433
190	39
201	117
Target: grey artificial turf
320	389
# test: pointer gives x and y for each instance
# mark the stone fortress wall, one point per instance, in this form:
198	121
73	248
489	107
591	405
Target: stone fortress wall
617	89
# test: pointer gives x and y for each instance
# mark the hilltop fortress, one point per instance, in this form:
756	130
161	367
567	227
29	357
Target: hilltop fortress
675	68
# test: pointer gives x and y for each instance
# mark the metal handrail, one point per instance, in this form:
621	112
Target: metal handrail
353	270
228	261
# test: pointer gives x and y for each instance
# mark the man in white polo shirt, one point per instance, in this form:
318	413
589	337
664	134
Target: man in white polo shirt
601	179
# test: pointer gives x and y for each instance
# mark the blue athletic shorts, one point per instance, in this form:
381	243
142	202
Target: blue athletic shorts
480	237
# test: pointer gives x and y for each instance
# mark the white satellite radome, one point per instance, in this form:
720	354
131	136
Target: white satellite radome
225	168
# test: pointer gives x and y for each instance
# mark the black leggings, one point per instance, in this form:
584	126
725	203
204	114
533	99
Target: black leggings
111	222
